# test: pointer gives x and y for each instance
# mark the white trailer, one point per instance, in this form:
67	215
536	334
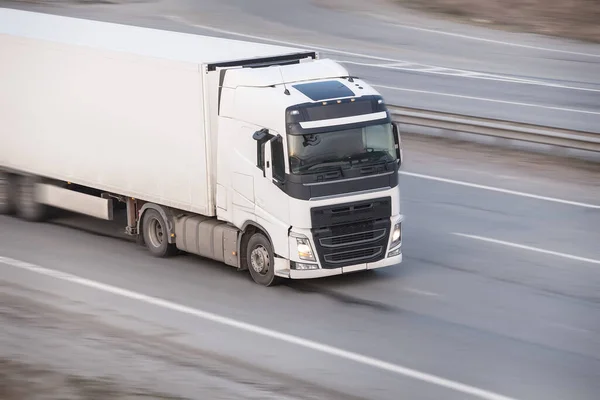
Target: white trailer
262	157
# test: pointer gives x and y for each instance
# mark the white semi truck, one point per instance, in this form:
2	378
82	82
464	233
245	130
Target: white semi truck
265	158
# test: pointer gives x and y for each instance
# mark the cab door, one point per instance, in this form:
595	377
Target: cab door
271	202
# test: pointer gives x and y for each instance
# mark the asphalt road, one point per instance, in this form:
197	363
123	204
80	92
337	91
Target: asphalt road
511	321
415	61
499	293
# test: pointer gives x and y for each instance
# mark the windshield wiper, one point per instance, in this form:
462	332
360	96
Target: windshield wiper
323	165
379	156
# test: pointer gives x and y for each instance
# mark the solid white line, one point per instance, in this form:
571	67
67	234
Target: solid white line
309	344
494	41
486	99
426	69
421	292
422	68
281	42
476	75
569	327
495	189
520	246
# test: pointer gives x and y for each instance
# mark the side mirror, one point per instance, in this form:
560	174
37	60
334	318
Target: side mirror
398	143
262	136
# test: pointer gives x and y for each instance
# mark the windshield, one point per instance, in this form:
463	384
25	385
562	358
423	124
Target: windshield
341	149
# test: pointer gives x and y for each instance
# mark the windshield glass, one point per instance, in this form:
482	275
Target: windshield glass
341	149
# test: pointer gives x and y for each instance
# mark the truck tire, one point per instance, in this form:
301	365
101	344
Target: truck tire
155	232
7	193
261	261
26	201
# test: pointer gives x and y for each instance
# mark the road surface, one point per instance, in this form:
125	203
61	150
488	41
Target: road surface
498	298
415	61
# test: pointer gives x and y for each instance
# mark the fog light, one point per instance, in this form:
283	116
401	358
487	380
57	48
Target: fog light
304	266
395	252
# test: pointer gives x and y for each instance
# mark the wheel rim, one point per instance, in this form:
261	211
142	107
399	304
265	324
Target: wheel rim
260	260
155	233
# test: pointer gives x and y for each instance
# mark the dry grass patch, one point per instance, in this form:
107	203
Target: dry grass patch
576	19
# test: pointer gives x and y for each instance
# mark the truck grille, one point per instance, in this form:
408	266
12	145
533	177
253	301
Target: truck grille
355	256
353	233
353	238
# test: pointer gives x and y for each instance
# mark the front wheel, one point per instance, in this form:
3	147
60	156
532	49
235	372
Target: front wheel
261	261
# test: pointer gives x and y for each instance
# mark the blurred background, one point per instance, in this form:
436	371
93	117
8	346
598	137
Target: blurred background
575	19
498	294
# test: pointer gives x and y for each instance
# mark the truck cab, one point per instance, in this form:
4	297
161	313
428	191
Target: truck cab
308	155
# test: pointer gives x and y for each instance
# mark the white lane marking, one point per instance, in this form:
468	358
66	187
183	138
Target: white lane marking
281	42
500	190
420	292
516	103
512	44
530	248
415	67
568	327
399	64
459	73
284	337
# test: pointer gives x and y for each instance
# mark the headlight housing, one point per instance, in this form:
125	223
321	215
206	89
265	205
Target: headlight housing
396	237
305	251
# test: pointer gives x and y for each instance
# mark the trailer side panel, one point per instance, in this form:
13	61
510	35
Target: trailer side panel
114	121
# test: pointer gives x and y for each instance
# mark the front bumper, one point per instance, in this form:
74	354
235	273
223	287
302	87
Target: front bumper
290	269
321	273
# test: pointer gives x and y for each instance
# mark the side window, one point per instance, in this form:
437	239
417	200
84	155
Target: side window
277	157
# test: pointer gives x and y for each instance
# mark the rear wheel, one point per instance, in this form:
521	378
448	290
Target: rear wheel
261	261
156	234
7	193
27	204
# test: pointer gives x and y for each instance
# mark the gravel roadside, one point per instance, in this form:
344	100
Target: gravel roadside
52	352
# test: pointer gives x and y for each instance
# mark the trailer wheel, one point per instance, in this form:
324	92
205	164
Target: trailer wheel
7	193
27	205
155	233
261	261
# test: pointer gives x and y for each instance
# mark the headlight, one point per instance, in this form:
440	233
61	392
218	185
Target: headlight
396	235
305	249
